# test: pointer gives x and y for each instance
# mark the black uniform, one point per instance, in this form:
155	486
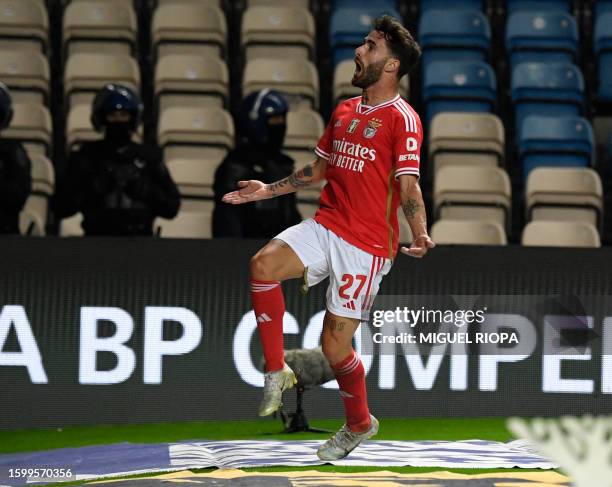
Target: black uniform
259	219
15	184
119	188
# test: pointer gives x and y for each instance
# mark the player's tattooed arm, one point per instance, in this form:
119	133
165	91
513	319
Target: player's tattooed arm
308	175
253	190
414	211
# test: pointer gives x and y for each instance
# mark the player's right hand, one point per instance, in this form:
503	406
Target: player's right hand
251	190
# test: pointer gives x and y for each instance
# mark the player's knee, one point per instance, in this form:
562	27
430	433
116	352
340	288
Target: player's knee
261	267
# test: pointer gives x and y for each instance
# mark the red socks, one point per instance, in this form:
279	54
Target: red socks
269	305
350	375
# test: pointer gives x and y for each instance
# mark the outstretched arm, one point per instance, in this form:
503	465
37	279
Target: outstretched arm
254	190
414	210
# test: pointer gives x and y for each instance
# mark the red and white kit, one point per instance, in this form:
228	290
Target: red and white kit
354	235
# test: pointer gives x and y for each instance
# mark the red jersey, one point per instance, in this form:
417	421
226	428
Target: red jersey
367	149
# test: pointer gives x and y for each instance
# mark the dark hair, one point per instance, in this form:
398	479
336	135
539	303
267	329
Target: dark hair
399	41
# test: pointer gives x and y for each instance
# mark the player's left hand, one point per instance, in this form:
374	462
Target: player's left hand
419	246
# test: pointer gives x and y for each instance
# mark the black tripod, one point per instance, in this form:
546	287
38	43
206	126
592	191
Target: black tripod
295	422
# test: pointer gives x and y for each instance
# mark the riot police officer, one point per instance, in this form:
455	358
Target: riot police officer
15	168
120	186
262	126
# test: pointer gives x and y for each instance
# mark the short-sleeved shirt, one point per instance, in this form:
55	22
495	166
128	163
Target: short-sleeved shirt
367	149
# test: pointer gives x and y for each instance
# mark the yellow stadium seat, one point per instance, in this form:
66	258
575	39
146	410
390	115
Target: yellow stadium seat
86	73
472	193
468	232
304	129
296	79
99	26
26	74
71	226
189	28
273	3
564	194
460	139
31	124
278	31
196	125
186	224
194	177
560	234
191	80
24	25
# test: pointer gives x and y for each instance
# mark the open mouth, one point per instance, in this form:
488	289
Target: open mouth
358	68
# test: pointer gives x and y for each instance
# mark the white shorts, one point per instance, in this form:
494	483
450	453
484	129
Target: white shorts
354	275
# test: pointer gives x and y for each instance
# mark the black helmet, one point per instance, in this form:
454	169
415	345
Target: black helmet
6	107
256	109
112	98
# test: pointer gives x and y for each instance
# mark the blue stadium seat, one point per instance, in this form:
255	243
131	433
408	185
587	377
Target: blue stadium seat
451	4
541	37
460	35
456	86
348	28
379	4
553	89
538	5
604	92
602	7
555	141
602	37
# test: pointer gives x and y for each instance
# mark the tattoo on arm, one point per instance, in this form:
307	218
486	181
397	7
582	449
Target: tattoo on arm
297	180
334	324
411	208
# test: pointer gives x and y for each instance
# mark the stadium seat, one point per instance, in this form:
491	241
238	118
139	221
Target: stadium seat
468	232
380	4
86	73
293	3
472	193
457	35
307	208
538	5
551	89
30	223
564	194
304	128
204	126
214	3
24	25
456	86
343	88
602	7
194	177
349	26
31	124
191	80
79	128
278	32
99	26
26	74
603	51
542	37
555	142
460	139
450	4
189	28
296	79
71	226
560	234
37	205
186	224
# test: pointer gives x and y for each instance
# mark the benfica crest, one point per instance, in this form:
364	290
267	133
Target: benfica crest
370	130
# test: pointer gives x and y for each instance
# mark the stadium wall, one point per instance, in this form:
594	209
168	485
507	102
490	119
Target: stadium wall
153	330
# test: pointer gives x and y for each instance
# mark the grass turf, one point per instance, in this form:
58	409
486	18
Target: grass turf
451	429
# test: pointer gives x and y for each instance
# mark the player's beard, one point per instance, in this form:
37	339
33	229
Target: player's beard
369	76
